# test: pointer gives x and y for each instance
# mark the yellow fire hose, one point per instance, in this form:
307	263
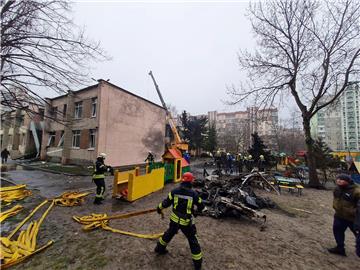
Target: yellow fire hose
11	212
94	221
71	198
15	251
13	193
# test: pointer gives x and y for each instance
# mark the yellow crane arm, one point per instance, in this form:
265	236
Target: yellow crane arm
178	142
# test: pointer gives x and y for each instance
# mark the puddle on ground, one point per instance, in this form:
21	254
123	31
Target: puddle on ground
14	167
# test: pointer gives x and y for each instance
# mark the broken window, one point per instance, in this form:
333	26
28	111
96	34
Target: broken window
61	141
51	141
53	112
64	110
78	109
76	139
92	137
20	120
23	139
93	107
41	113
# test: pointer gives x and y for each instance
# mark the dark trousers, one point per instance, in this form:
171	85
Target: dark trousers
240	166
4	159
339	227
100	189
190	233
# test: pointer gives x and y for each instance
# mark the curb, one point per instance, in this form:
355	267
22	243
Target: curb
50	171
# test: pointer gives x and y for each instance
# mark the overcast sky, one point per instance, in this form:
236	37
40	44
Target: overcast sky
190	47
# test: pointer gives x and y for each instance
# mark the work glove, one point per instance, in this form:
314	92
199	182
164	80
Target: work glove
110	169
159	211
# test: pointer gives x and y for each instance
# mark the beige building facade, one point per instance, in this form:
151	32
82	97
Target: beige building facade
102	118
21	131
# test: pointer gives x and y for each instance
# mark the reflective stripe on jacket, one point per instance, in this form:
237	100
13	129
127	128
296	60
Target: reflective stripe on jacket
183	200
99	170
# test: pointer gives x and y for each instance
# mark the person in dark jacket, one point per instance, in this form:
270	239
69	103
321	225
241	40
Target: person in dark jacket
240	163
99	177
150	158
183	200
250	163
261	163
4	155
347	213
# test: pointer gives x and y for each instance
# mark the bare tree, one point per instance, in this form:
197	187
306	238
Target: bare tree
41	50
308	50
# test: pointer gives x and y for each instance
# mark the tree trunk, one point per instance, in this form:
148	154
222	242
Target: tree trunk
313	177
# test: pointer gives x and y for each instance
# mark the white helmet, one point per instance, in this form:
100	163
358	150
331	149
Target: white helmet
102	155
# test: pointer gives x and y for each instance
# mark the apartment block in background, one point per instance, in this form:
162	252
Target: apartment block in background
350	118
338	124
234	129
102	118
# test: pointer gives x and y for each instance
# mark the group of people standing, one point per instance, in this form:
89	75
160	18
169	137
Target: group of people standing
238	163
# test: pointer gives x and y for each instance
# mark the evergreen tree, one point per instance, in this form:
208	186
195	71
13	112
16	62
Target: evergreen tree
184	119
197	132
211	140
324	158
193	130
259	148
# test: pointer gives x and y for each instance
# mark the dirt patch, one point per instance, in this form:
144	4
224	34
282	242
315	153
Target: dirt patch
292	239
298	241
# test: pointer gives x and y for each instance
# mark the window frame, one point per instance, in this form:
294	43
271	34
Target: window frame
64	110
51	140
94	106
61	141
92	143
78	109
76	134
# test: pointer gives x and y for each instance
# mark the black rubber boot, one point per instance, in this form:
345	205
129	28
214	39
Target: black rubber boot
160	249
97	201
337	251
197	264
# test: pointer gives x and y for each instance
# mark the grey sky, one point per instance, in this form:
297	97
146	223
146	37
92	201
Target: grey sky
190	47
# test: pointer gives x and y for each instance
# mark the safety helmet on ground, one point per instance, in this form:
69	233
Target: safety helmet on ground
102	155
250	156
261	156
188	177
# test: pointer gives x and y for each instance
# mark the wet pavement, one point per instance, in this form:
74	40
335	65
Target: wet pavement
48	184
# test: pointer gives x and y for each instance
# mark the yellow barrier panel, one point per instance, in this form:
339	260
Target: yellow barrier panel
142	185
121	180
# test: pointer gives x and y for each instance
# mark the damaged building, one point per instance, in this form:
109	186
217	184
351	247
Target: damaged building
21	130
102	118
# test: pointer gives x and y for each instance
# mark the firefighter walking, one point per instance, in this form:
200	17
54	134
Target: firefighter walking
182	200
99	177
